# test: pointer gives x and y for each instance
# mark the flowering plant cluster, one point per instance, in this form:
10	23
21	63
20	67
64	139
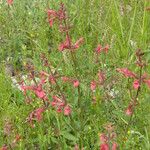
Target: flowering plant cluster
138	80
64	102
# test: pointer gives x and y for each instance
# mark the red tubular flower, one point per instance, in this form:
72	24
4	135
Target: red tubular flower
114	146
40	94
57	102
106	48
104	146
78	43
9	2
99	49
17	139
59	110
65	79
67	110
76	83
25	88
5	147
66	44
101	77
51	16
103	138
52	79
36	114
126	72
129	110
136	84
93	85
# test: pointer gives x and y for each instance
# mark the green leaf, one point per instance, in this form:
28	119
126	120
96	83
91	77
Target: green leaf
68	136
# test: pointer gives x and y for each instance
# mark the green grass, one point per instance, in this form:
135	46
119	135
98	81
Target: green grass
25	33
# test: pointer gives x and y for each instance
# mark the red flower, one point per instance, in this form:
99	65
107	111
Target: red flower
57	103
114	146
126	72
17	139
136	84
52	79
66	44
99	49
76	83
25	88
51	16
129	110
65	79
9	2
36	114
5	147
103	138
104	146
78	43
93	85
67	110
101	77
106	48
59	110
40	94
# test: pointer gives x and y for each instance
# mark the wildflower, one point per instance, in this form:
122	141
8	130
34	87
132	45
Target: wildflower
136	84
109	127
126	72
51	16
43	77
59	110
78	43
9	2
24	88
106	48
52	79
5	147
76	147
129	110
36	114
40	93
65	79
57	101
76	83
99	49
61	13
101	77
93	85
114	146
67	110
103	138
66	44
104	146
17	139
7	128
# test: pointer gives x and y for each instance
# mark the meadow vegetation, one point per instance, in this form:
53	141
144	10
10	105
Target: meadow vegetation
81	78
